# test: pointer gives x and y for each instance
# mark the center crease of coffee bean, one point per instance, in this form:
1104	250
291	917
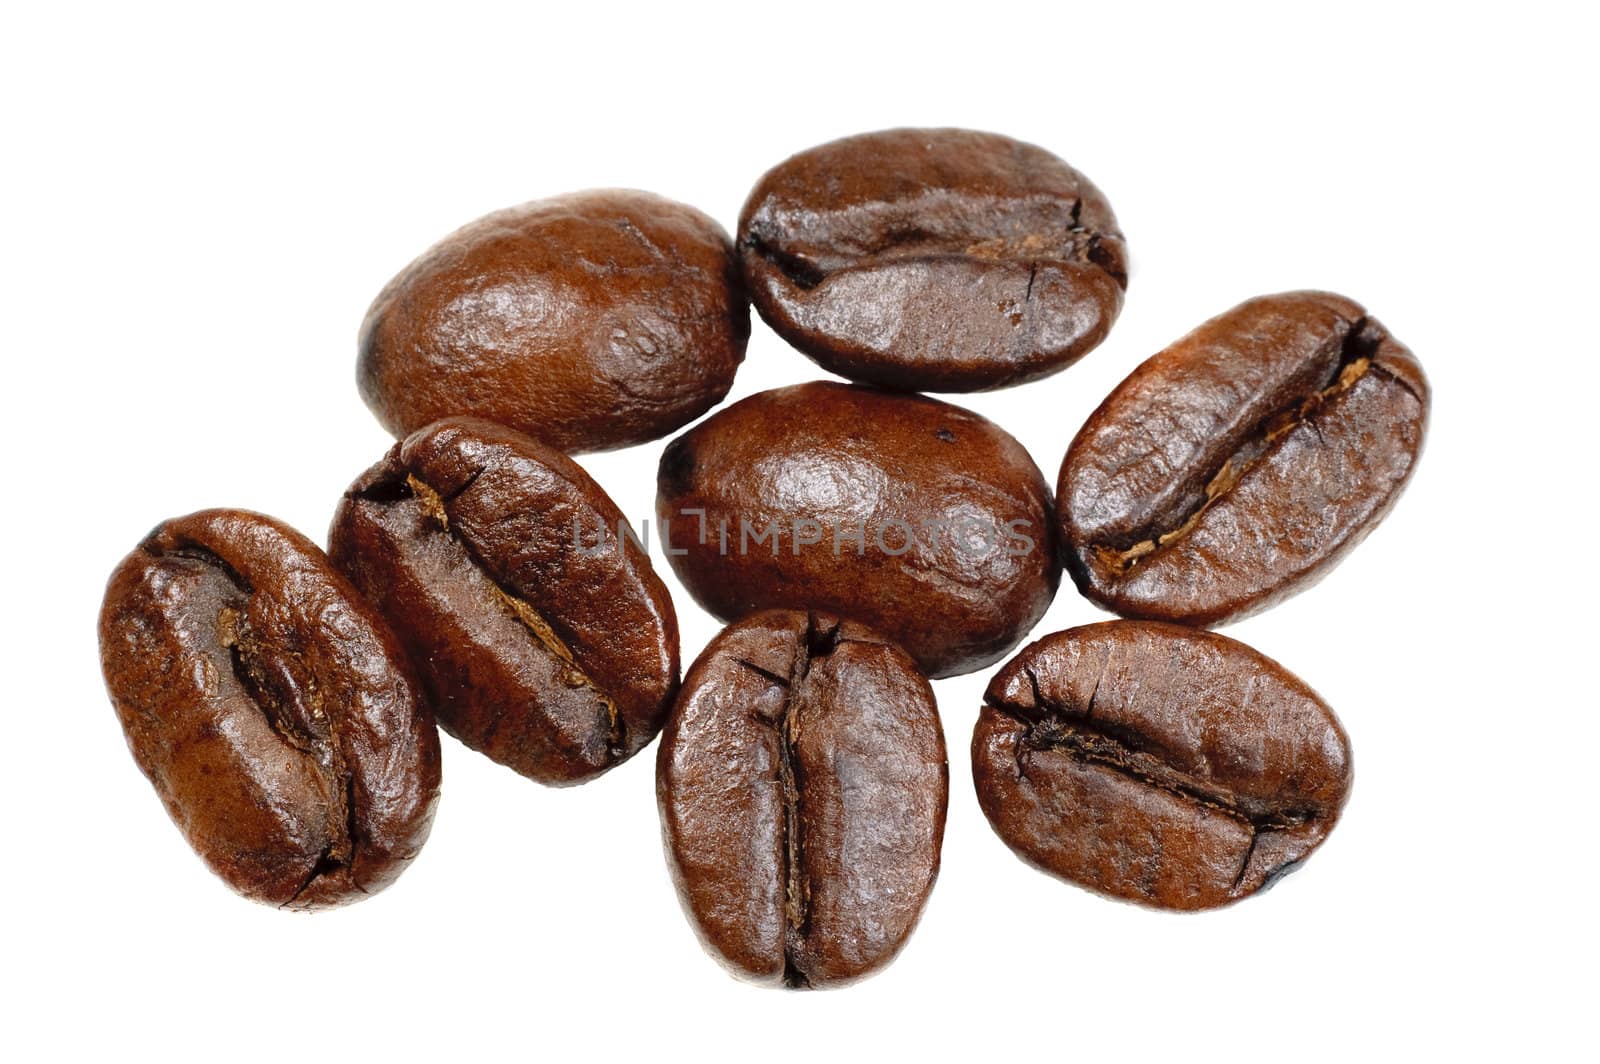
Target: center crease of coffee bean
1125	751
816	642
1355	362
291	700
911	242
616	729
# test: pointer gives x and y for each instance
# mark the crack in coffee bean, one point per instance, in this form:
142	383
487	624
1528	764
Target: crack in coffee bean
802	786
1126	751
1353	364
1075	243
308	730
818	641
289	697
338	854
805	274
572	674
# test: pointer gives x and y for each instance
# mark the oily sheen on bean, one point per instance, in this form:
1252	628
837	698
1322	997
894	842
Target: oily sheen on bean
543	640
271	709
1242	463
1158	764
933	259
802	785
590	321
922	520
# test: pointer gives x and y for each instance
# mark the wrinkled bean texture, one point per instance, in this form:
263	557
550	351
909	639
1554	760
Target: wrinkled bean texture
933	259
1242	463
542	639
1158	764
802	785
927	523
590	321
271	709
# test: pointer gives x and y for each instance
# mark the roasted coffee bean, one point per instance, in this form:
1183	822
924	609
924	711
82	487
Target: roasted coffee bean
1243	462
271	708
1159	764
933	259
919	519
590	321
802	784
543	637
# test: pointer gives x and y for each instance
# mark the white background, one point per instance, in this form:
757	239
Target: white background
198	206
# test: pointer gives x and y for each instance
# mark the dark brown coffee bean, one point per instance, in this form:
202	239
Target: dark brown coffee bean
1243	462
1159	764
271	708
543	640
919	519
590	321
933	259
802	784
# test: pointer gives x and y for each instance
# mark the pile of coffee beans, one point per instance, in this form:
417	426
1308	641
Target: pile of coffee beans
859	539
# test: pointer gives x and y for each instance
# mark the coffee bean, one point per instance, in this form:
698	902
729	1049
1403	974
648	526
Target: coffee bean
1243	462
919	519
802	784
543	639
1158	764
271	708
933	259
590	321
